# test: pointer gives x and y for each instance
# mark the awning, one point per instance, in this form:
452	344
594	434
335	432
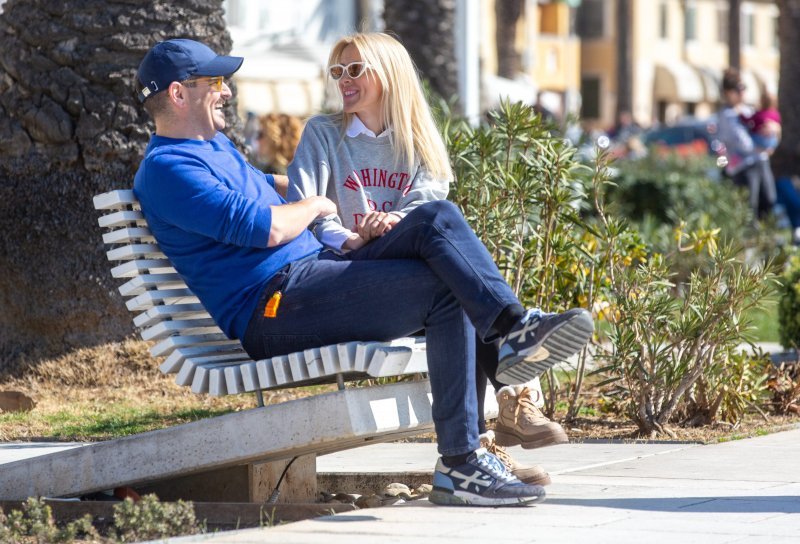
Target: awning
676	81
281	80
711	83
496	89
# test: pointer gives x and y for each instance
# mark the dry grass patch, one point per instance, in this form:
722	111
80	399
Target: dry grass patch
116	390
112	390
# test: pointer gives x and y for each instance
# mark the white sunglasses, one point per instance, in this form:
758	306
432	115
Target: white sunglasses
354	70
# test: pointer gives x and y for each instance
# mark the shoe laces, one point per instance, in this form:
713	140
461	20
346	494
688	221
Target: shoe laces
525	403
495	467
500	453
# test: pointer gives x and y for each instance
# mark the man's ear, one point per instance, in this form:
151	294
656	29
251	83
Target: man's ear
177	93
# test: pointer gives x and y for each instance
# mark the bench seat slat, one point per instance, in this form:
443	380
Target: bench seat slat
147	282
233	380
114	200
266	375
200	377
122	218
135	251
142	266
188	326
160	296
128	235
347	355
249	376
175	359
330	359
167	345
297	367
283	372
156	314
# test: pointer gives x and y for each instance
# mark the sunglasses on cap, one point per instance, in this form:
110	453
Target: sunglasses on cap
354	70
215	82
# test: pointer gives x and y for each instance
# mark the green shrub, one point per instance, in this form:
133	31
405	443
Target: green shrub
678	354
789	306
149	519
34	524
564	234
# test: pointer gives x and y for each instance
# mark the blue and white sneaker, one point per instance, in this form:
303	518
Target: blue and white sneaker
540	341
482	481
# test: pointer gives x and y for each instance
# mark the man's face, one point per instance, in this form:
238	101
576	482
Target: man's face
206	98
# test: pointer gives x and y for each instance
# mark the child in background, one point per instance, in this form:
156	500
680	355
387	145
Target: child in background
378	159
765	124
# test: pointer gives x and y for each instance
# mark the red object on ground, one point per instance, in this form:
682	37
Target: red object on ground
123	493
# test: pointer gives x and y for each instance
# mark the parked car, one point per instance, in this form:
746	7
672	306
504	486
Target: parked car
689	136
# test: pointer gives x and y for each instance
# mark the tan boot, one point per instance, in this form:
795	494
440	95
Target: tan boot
519	421
535	474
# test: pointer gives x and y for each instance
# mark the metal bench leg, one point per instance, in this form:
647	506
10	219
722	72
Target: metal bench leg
260	398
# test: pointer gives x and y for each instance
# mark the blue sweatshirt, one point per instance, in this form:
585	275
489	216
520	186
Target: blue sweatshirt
210	213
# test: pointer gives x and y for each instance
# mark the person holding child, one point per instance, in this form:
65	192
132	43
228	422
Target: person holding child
378	159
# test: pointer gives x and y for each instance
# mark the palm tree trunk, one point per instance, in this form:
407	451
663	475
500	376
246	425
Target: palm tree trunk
735	34
507	14
624	58
427	30
786	160
70	128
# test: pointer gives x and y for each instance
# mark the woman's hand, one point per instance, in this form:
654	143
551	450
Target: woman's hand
376	224
353	242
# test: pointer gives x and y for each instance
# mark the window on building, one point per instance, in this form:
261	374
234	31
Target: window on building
590	97
691	108
661	111
573	21
663	20
548	19
590	21
722	24
748	28
690	22
776	41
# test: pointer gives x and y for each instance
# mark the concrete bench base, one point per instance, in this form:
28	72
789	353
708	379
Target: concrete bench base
315	425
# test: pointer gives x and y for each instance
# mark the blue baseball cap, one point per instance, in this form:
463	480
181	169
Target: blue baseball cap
178	60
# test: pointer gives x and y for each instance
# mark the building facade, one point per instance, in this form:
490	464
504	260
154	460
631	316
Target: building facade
679	50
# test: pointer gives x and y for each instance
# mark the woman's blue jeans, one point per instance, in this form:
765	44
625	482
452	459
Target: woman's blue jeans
429	272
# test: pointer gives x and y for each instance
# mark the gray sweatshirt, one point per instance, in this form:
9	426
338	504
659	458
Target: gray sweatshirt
359	175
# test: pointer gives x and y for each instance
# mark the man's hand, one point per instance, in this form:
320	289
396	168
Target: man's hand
376	224
289	220
324	204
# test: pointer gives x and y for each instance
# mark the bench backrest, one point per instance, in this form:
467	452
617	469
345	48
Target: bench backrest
195	349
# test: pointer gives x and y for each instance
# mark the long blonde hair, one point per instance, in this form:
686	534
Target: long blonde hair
405	109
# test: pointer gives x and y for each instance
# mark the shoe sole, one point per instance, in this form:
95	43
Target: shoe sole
507	440
460	498
560	344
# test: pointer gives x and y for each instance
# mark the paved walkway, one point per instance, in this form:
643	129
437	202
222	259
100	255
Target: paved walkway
740	491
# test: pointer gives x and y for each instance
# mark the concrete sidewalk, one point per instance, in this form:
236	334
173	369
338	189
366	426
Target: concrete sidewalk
741	491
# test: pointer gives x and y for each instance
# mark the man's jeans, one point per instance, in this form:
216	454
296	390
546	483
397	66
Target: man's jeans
429	272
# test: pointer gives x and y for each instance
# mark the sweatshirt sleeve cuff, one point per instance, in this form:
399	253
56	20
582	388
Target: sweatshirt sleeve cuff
261	226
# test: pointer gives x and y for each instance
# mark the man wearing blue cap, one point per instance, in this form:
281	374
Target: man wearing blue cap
260	273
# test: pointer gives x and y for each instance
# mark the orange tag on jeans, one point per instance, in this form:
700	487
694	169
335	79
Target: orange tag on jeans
271	309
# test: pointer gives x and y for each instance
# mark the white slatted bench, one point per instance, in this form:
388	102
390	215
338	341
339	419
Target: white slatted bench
196	350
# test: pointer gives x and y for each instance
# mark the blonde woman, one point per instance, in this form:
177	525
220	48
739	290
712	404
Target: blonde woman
381	156
378	159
